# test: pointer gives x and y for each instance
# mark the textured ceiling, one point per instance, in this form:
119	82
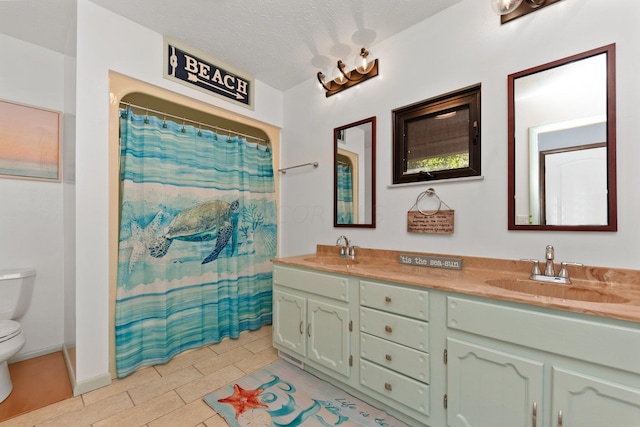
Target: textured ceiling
279	42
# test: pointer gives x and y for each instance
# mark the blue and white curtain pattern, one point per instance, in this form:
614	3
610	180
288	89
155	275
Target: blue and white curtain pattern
197	231
345	194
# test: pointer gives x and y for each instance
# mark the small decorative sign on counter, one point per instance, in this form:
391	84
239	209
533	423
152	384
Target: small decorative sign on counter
431	261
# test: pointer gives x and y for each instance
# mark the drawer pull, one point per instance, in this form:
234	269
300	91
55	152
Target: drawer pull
387	299
388	357
559	418
301	329
388	328
387	386
309	330
534	414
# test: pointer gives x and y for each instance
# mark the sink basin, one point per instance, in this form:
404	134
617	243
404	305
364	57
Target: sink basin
553	290
329	260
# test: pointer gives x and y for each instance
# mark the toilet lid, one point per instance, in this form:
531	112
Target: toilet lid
9	329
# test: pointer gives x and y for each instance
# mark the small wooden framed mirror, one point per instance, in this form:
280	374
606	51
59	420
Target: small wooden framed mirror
354	186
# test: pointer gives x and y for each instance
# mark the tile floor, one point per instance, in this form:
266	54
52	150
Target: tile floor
164	395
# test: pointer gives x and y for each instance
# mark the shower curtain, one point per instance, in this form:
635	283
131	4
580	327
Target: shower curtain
197	231
345	194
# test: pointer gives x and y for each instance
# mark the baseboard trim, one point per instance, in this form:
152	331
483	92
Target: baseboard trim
32	354
70	368
91	384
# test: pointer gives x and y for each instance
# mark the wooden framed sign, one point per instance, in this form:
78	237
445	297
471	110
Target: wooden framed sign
439	222
199	71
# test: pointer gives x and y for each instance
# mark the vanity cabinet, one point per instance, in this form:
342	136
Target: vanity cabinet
434	358
514	366
394	346
311	318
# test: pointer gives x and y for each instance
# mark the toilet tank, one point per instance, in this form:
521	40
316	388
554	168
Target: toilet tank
16	288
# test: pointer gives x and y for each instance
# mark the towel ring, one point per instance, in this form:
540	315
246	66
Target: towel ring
431	193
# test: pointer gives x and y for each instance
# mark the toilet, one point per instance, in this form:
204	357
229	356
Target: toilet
16	287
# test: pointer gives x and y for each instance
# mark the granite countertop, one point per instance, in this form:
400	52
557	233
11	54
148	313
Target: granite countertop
600	291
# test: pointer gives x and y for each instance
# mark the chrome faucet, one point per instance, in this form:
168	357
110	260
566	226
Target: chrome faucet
343	242
549	270
548	256
346	250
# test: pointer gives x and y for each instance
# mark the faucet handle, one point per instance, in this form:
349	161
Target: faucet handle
352	251
563	269
535	271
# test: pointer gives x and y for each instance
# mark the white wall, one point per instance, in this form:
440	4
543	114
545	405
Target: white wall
31	224
109	42
461	46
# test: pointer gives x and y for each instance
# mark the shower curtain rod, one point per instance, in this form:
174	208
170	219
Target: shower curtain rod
200	124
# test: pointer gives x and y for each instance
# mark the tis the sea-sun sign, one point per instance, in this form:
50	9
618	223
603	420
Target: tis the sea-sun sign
194	69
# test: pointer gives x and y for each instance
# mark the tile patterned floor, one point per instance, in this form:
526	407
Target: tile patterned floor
164	395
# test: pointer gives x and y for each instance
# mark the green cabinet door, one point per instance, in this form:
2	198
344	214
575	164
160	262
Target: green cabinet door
328	336
581	400
289	322
491	388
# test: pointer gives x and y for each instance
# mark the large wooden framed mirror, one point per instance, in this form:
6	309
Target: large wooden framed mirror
354	189
562	144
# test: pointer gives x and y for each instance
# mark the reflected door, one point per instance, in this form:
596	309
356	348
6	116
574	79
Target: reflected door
575	187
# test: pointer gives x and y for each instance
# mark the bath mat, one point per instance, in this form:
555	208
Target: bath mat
283	395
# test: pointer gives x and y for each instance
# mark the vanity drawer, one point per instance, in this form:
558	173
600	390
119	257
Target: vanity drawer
395	386
410	332
328	285
395	299
405	360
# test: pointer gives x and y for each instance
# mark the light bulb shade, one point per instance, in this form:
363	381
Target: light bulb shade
503	7
364	63
339	74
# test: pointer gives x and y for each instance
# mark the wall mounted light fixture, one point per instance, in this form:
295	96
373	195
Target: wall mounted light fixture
512	9
365	69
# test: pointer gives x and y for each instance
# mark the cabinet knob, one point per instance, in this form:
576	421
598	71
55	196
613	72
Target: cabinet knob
387	386
387	299
388	357
388	328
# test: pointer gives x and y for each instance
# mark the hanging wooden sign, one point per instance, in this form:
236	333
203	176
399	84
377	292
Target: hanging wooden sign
196	70
440	222
435	222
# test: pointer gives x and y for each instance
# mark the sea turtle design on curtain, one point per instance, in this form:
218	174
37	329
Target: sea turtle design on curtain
201	223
